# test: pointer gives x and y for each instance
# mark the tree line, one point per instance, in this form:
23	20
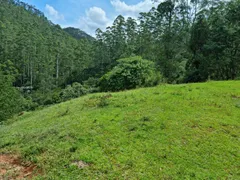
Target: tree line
189	40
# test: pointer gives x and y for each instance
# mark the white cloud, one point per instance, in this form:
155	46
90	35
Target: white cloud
53	14
132	10
95	18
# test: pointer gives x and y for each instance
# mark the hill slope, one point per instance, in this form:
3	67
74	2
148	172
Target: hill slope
78	34
44	55
165	132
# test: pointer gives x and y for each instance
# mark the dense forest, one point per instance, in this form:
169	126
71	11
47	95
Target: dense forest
190	41
180	41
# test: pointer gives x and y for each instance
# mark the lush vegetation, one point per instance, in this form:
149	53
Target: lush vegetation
188	131
45	57
183	41
77	33
130	73
11	101
190	41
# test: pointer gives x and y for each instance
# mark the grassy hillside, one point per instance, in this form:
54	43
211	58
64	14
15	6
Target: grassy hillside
165	132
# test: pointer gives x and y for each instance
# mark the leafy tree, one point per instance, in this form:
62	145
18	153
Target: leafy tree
197	65
130	73
11	101
73	91
215	43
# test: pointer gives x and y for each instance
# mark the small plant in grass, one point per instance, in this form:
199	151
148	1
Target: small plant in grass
104	100
64	113
145	119
97	101
237	104
31	152
162	126
73	149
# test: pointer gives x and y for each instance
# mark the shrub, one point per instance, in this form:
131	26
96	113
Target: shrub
92	85
73	91
130	73
29	105
11	101
45	97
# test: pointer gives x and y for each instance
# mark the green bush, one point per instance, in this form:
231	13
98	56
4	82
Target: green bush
92	85
73	91
29	105
11	101
42	98
130	73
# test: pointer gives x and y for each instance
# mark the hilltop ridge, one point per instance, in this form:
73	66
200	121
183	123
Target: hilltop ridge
78	33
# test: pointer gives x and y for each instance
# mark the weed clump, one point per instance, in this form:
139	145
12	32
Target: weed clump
162	126
64	113
98	101
31	152
237	105
145	119
73	149
103	101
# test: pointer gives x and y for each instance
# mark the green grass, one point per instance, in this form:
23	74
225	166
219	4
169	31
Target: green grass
187	131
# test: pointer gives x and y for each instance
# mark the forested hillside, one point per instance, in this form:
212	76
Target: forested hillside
38	55
43	54
190	41
77	33
179	42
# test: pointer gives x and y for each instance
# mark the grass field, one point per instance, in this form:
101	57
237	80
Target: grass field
189	131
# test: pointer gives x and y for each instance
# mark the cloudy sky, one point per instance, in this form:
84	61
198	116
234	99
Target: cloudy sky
89	15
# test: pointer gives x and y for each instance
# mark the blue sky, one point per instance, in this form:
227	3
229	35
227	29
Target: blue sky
89	15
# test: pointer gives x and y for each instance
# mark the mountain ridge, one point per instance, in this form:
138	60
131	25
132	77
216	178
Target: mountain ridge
78	33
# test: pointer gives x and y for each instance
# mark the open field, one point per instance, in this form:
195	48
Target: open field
188	131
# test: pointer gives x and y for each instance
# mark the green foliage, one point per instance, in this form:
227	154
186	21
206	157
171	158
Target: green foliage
188	41
78	34
92	84
41	56
44	55
130	73
215	43
8	68
73	91
41	98
11	101
104	100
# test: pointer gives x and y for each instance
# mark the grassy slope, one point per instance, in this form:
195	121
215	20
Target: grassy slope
170	131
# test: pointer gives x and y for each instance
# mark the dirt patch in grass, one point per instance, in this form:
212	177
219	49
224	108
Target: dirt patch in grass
80	164
235	97
11	167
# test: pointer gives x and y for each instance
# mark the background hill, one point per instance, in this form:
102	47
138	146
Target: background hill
78	33
44	55
165	132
